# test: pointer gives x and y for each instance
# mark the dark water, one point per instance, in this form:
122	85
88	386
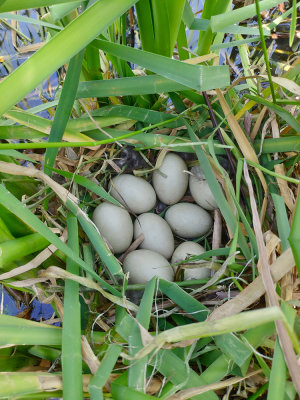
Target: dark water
12	59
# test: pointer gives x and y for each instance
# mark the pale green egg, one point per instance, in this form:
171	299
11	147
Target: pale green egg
200	190
143	265
114	223
188	220
157	233
170	181
133	192
186	250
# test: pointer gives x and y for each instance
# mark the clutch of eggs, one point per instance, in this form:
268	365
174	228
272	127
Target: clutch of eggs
185	220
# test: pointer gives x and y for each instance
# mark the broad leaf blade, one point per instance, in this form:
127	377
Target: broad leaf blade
198	77
64	108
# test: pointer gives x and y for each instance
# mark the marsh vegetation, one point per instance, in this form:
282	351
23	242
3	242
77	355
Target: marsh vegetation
180	99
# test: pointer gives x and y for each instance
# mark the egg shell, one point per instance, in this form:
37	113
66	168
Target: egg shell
186	250
143	265
200	190
188	220
171	187
157	233
133	192
114	223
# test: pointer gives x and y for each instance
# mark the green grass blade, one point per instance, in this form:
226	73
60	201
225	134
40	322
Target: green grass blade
42	395
233	43
154	141
93	187
59	11
19	384
198	77
200	24
107	364
265	51
184	300
5	233
86	124
170	365
93	64
281	112
46	352
227	343
233	323
88	256
206	38
71	335
138	368
218	193
23	18
13	360
294	237
282	220
19	331
16	154
15	225
42	124
240	14
219	368
109	260
73	125
182	43
145	23
60	49
119	136
16	249
13	5
281	17
188	15
138	85
121	392
166	21
293	23
283	144
138	114
278	375
177	372
42	107
64	108
243	30
19	132
231	190
244	54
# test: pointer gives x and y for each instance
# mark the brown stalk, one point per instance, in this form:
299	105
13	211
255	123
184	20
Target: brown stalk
88	355
284	339
244	145
131	19
256	289
215	125
229	157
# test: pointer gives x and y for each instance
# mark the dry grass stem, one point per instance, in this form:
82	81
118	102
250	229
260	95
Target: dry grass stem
245	147
285	341
255	289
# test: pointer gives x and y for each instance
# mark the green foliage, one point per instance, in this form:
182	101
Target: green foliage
130	80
